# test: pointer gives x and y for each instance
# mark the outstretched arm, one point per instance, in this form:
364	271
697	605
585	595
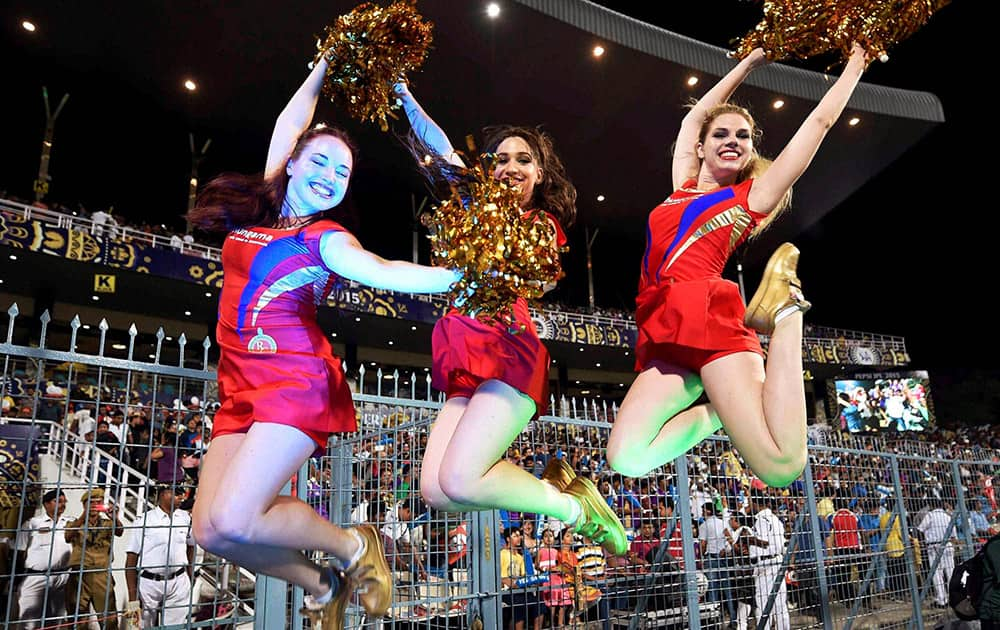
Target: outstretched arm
295	118
686	163
424	126
345	256
793	160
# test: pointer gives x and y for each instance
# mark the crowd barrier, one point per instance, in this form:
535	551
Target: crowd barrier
57	234
447	565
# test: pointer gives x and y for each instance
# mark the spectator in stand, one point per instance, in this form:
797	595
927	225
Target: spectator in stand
101	219
940	551
644	545
41	596
713	547
399	548
159	561
671	528
90	581
869	524
523	603
977	521
556	595
766	559
529	538
740	536
168	465
845	543
84	424
804	561
588	576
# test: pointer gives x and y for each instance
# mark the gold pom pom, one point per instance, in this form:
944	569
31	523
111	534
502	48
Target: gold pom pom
503	252
801	29
368	50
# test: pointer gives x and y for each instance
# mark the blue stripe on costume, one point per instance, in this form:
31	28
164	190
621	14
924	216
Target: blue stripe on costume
264	262
692	213
649	243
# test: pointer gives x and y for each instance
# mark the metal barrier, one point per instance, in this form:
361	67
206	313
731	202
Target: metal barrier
869	535
53	438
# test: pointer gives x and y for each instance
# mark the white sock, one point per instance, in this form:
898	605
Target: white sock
362	547
576	511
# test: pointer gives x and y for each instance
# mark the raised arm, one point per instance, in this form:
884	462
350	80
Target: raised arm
424	126
793	160
295	118
343	254
685	163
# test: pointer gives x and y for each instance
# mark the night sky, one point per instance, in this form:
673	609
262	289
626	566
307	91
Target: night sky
905	255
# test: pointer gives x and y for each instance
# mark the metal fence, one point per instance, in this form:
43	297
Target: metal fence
882	562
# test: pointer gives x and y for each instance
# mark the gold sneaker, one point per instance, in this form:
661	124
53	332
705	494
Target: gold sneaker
371	574
597	521
558	474
779	294
329	616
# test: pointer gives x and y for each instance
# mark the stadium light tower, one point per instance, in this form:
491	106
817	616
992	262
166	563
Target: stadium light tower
590	265
42	183
196	159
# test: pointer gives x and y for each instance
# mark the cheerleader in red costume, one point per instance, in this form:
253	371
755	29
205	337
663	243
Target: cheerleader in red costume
497	381
282	391
694	334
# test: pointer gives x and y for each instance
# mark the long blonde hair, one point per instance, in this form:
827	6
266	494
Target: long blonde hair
757	165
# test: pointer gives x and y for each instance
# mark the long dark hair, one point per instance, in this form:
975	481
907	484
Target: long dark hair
554	193
235	200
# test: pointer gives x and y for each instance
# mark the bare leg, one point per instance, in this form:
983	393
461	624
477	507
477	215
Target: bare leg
656	424
764	409
437	442
239	515
472	471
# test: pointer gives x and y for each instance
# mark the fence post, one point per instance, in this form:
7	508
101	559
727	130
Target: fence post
962	509
687	537
302	492
342	482
270	597
818	546
484	569
904	527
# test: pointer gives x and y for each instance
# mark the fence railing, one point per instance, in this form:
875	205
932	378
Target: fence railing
816	338
869	535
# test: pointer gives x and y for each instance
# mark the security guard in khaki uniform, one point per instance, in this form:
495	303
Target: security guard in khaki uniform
90	581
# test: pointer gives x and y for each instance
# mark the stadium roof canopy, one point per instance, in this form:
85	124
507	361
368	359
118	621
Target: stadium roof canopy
613	117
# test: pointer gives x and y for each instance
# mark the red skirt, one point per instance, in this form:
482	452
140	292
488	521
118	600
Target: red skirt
701	315
301	384
468	352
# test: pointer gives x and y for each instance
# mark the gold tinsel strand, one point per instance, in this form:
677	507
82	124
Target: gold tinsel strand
801	29
368	51
502	252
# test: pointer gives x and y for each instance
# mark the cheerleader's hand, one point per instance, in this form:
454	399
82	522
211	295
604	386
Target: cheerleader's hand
757	58
465	295
402	91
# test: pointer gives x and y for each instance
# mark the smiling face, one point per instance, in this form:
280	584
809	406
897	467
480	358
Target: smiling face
518	165
318	175
726	147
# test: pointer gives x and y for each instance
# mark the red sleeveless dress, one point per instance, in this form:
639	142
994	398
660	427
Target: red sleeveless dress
275	363
467	352
686	313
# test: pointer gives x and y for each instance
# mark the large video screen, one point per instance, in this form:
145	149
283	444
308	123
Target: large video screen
888	402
